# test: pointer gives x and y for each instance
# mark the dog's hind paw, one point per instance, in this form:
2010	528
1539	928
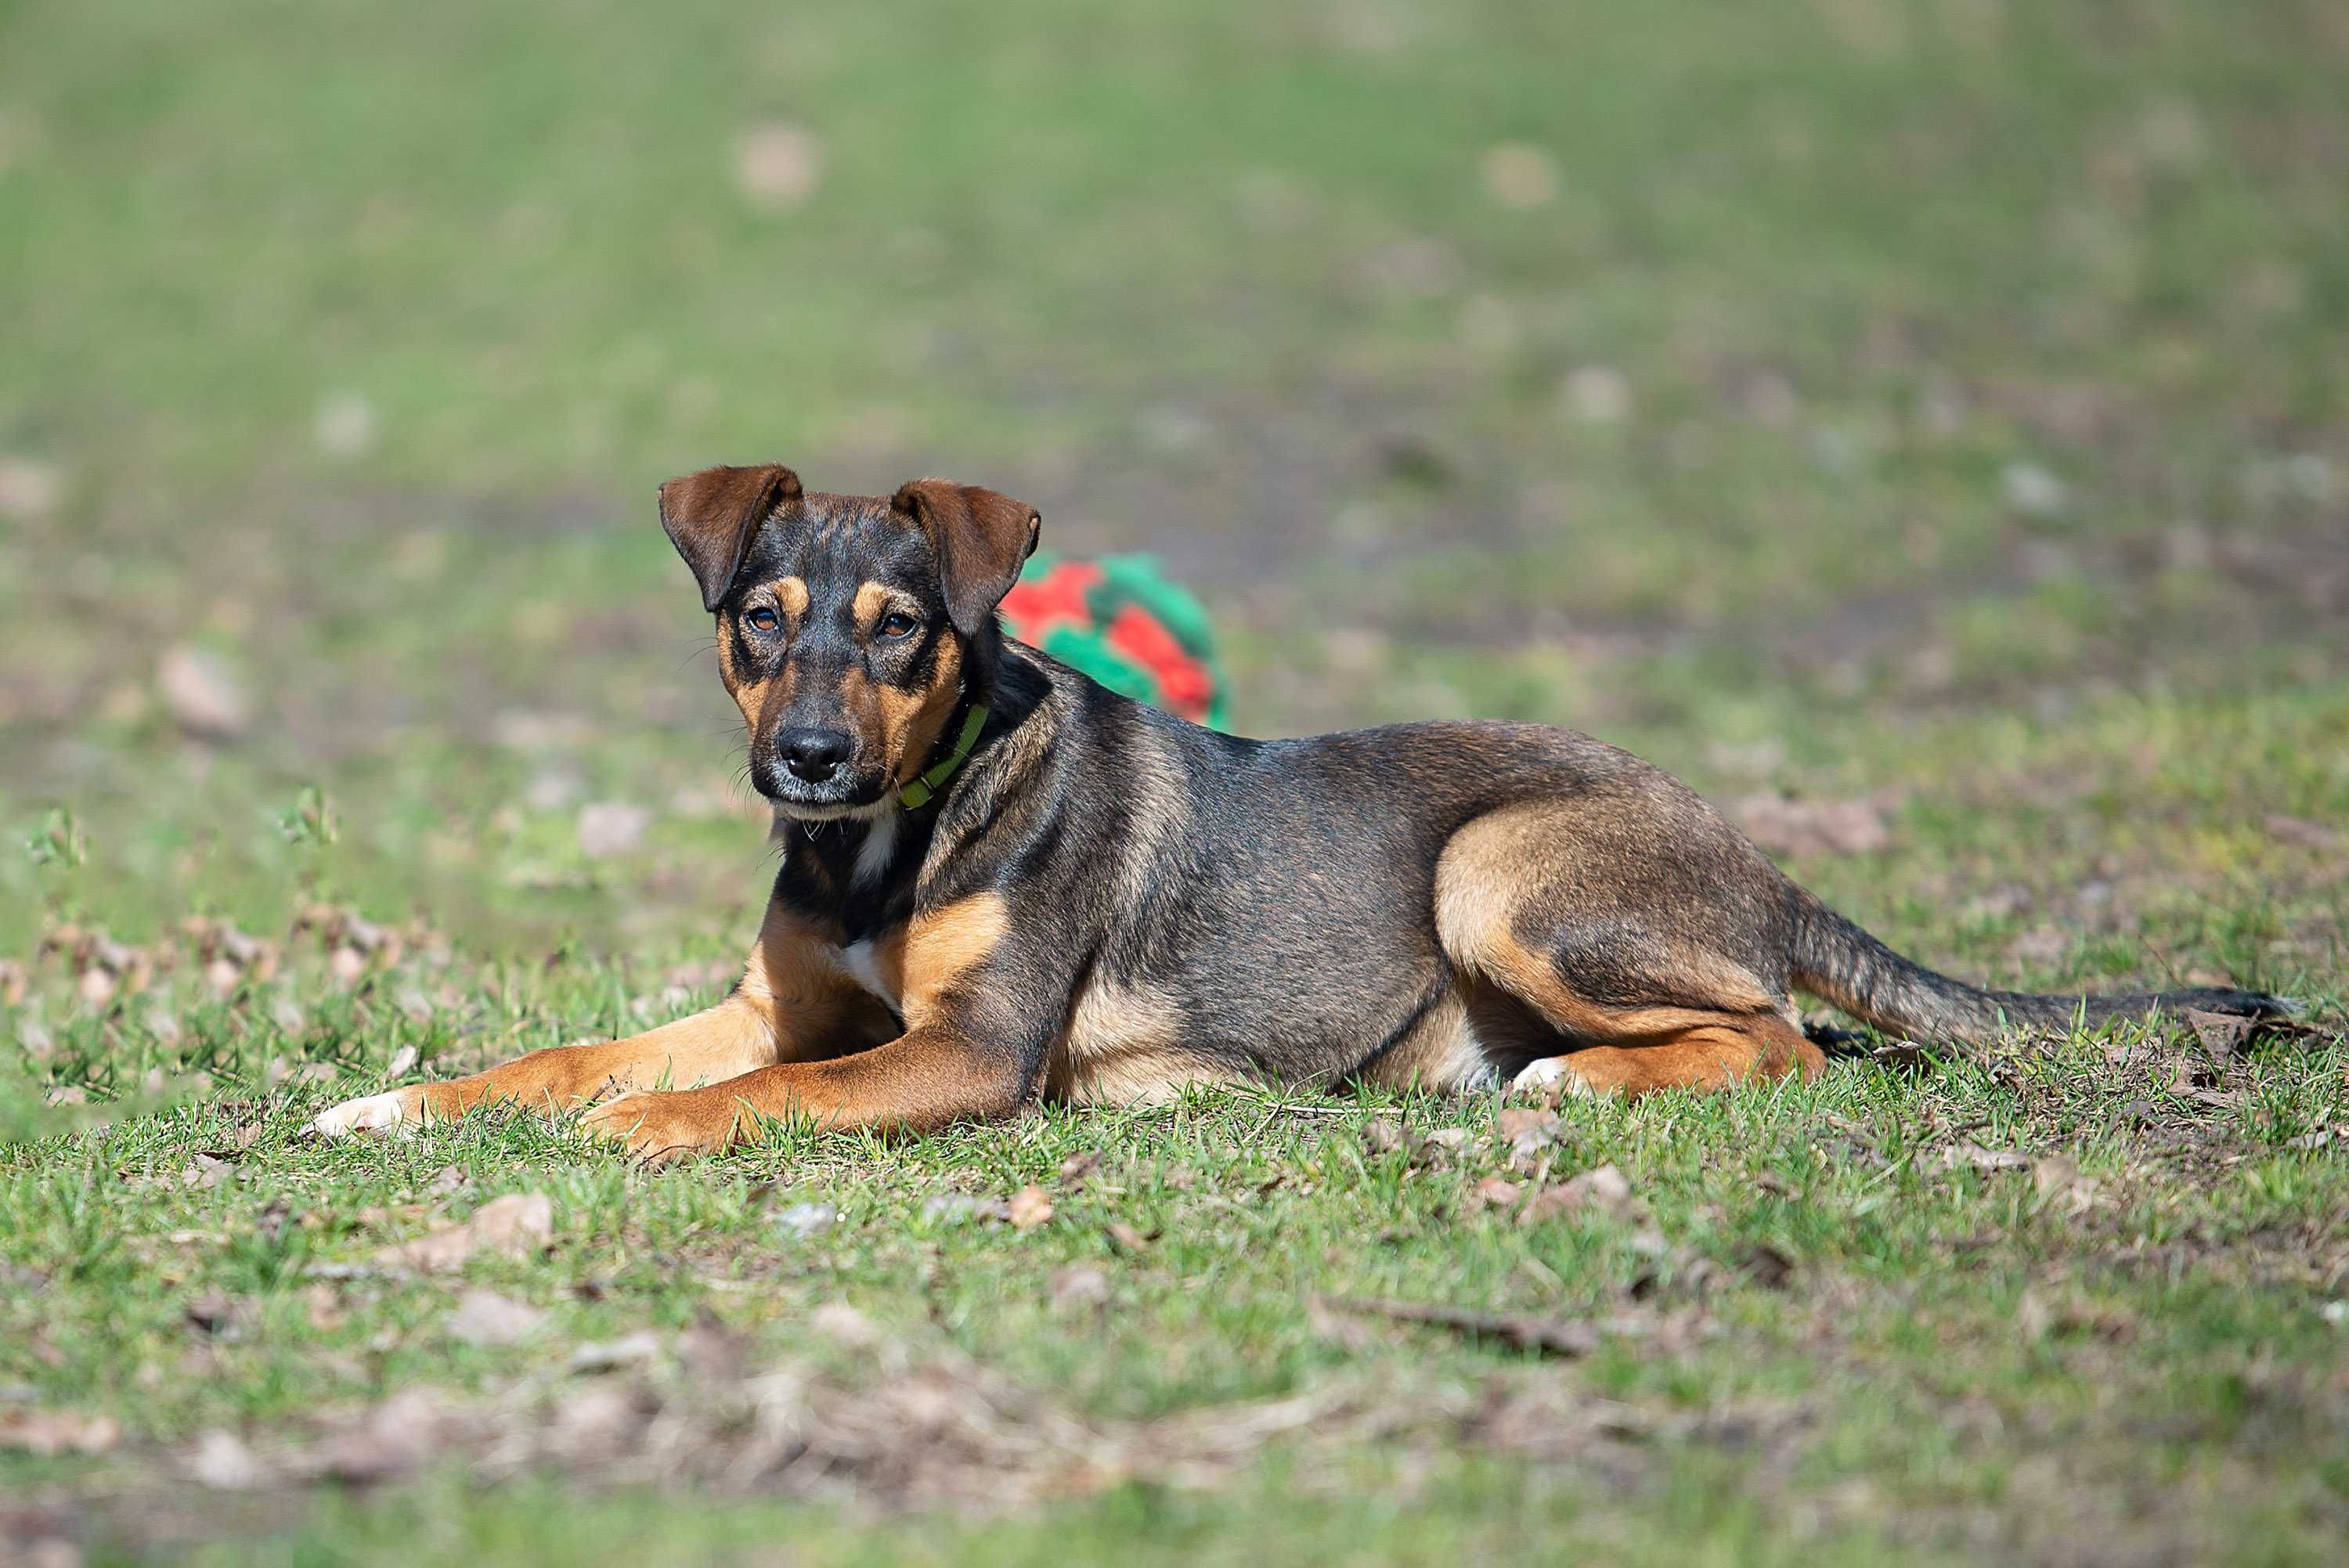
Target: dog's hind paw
370	1113
1552	1079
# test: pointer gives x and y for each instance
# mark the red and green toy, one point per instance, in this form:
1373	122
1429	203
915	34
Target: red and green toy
1115	618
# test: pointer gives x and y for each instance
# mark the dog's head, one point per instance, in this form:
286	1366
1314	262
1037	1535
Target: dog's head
849	627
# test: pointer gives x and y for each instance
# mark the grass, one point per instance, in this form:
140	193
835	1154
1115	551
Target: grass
1929	405
1818	1329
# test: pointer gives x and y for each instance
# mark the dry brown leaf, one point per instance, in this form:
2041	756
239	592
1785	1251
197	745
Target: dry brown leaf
1030	1207
517	1226
1124	1237
392	1440
843	1324
610	1355
207	1172
1526	1130
1975	1155
30	487
2223	1034
1789	827
1605	1189
52	1432
2053	1175
202	693
1077	1169
1497	1192
777	164
1441	1146
221	1460
1519	175
486	1318
610	828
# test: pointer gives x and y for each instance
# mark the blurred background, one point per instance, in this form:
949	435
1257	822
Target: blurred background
1928	406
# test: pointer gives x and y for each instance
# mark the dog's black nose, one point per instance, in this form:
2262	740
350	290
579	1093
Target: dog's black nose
815	755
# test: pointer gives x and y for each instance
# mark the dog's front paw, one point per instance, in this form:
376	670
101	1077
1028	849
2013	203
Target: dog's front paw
659	1127
399	1111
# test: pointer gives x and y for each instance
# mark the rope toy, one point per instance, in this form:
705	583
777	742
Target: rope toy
1116	618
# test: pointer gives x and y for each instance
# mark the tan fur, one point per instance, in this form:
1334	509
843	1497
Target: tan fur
1120	1045
944	945
753	701
796	979
721	1043
795	1003
1441	1052
916	720
791	601
1482	879
1145	1077
1714	1056
924	1078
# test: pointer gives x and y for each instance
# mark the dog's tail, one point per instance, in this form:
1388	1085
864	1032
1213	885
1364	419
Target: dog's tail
1839	963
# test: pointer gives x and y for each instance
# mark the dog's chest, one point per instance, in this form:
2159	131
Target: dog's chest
879	968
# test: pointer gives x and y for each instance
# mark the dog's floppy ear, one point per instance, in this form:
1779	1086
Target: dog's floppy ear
981	538
711	515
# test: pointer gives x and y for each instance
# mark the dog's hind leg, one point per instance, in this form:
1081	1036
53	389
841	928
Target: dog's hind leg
1642	931
1708	1057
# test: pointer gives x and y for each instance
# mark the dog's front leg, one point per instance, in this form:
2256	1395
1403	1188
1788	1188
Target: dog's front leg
795	1002
974	1039
931	1075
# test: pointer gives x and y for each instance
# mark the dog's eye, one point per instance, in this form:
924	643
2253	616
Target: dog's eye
763	621
899	625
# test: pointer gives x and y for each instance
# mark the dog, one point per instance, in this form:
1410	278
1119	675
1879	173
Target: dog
1001	882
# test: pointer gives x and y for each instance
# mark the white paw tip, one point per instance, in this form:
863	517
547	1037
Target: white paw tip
1547	1072
370	1113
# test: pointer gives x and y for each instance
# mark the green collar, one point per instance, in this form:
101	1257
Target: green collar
924	789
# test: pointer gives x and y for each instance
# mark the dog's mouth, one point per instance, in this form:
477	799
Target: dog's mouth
845	794
825	811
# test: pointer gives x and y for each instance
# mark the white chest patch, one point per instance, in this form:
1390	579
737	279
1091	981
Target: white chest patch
880	843
865	968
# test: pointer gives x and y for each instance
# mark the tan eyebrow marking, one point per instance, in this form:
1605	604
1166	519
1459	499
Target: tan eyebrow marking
875	600
792	593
